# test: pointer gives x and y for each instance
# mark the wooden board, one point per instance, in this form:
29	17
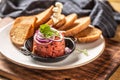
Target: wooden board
100	69
115	4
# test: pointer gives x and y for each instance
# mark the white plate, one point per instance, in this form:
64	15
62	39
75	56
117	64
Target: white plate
76	59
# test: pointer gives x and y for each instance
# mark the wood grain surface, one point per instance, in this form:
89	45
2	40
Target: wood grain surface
100	69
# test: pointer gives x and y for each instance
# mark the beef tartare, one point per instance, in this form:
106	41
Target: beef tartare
48	42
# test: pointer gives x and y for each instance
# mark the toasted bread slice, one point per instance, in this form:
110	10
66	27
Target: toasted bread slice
90	34
22	29
59	23
44	16
69	21
81	24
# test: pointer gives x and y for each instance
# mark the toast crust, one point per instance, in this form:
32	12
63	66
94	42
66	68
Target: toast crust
59	23
25	26
90	34
44	16
69	21
81	24
22	29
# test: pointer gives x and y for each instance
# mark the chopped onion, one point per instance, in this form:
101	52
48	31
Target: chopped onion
67	50
38	37
40	40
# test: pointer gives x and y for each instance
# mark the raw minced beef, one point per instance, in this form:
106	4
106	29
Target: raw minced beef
54	49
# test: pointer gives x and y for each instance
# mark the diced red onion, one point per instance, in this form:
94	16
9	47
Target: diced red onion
38	37
67	50
40	40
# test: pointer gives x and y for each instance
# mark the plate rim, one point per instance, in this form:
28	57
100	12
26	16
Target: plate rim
50	68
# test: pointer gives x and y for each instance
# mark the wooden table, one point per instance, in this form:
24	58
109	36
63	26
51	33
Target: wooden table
100	69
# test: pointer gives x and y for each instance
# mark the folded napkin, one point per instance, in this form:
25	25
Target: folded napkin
102	14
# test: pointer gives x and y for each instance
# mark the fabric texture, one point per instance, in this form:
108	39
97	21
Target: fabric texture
102	14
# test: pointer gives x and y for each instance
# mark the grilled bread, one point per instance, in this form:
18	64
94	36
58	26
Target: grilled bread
80	24
44	16
69	21
59	23
22	29
90	34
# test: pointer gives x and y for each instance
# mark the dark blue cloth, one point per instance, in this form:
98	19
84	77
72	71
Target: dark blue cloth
102	14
